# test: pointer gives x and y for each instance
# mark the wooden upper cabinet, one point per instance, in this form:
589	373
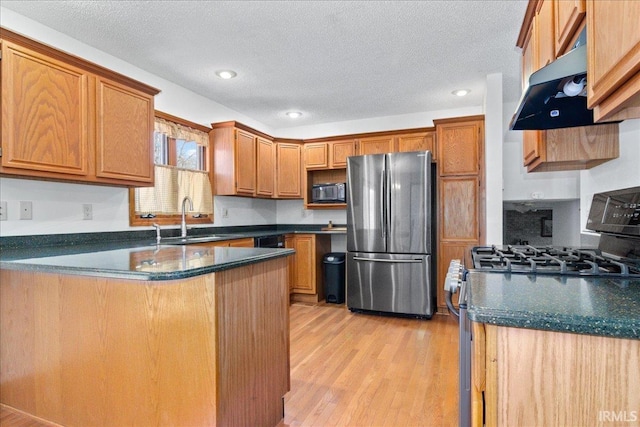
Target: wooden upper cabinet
422	141
339	151
328	155
459	147
376	145
570	148
67	119
316	155
531	139
613	59
568	16
545	29
288	171
265	167
576	148
124	129
45	113
245	163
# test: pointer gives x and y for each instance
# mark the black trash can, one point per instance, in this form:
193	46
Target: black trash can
333	266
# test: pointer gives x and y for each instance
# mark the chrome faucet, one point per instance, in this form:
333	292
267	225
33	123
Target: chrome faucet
183	223
157	233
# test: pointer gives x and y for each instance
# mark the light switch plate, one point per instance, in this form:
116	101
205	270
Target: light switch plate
26	210
87	211
3	211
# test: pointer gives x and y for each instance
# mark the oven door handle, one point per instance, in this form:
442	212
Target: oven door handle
452	309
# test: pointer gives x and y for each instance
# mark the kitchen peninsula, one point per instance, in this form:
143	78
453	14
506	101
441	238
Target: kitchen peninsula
148	335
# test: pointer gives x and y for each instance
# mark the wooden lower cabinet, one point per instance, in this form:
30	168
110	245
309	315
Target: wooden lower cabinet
544	378
305	275
119	352
241	243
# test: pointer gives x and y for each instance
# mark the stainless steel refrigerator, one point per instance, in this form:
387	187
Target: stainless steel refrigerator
390	231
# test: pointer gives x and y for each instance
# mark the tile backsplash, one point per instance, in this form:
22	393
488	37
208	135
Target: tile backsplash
521	227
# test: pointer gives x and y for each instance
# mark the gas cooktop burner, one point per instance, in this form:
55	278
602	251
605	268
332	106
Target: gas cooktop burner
552	260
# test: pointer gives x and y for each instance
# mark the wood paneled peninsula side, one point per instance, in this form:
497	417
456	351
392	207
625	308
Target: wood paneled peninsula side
166	335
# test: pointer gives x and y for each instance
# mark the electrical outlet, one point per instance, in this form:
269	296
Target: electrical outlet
87	211
26	210
225	213
3	211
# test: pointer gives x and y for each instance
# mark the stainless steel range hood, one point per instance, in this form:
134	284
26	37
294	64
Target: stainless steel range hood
556	95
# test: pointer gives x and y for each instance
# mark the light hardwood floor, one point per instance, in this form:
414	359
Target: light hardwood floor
362	370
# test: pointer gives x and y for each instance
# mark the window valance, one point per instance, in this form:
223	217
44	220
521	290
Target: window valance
178	131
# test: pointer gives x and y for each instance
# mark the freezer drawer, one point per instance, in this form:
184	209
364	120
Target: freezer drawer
390	283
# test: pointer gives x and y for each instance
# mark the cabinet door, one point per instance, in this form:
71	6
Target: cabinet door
241	243
339	151
288	171
45	113
245	163
613	49
316	156
545	37
124	133
376	145
304	280
291	261
265	167
531	139
459	219
422	141
568	15
459	148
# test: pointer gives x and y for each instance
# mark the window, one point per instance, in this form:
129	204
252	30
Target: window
181	169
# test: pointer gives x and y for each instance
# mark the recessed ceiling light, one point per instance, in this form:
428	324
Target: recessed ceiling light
226	74
294	114
461	92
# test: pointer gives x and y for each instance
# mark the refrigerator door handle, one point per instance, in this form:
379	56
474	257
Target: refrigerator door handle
383	210
387	203
395	261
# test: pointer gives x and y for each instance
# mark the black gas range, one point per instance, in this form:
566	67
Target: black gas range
614	214
552	260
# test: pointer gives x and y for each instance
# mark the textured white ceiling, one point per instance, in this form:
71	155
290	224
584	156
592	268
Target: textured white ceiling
332	60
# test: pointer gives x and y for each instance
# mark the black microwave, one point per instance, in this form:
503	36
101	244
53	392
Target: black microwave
329	193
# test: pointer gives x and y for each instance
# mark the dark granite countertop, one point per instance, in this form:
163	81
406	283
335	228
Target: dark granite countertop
135	255
604	306
148	262
36	246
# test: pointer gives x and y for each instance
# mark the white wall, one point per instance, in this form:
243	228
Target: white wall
566	223
57	207
519	185
375	124
493	158
622	172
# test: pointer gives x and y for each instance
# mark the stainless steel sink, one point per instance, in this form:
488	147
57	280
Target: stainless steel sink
190	240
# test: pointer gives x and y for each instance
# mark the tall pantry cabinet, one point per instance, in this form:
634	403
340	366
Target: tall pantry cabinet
460	192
